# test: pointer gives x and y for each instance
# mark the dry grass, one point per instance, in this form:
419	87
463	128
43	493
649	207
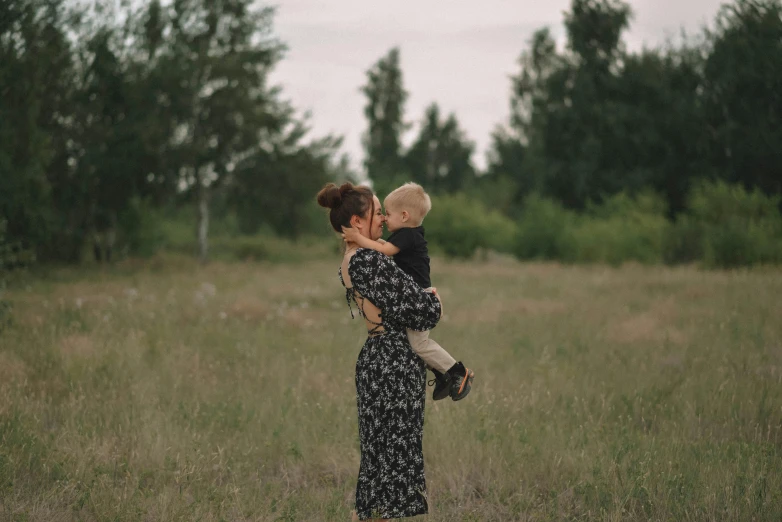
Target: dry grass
167	391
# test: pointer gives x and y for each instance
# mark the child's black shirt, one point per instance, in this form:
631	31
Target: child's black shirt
413	256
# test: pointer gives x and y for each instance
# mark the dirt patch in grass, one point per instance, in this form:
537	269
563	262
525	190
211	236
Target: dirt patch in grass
292	290
657	324
542	269
322	383
698	293
502	270
305	317
535	307
29	317
90	294
193	369
77	345
644	327
499	309
12	368
249	309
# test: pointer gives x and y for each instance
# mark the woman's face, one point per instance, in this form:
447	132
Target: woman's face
371	226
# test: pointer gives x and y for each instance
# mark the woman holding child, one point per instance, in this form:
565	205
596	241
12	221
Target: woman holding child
390	376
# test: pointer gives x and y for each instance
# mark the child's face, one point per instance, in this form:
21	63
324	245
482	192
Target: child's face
396	219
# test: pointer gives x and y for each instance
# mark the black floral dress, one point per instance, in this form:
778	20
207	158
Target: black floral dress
390	389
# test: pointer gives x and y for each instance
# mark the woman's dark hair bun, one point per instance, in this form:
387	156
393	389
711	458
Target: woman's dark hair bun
330	196
345	201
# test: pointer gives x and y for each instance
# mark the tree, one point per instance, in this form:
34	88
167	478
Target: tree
215	67
580	135
529	88
151	94
595	30
567	114
509	163
108	109
440	158
83	140
37	80
274	185
661	145
384	111
106	144
507	179
743	94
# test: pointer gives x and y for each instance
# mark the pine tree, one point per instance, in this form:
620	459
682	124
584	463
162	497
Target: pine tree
440	158
385	112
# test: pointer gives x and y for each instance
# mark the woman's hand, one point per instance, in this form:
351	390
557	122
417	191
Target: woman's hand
433	290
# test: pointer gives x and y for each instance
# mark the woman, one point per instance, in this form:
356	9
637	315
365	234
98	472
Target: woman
390	377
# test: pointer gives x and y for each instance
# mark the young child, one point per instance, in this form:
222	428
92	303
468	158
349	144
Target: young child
406	208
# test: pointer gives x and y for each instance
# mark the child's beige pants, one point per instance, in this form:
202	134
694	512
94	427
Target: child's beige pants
432	353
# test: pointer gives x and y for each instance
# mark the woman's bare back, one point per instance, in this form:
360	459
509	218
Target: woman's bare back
370	312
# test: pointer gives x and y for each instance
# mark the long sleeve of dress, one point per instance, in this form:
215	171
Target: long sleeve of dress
402	302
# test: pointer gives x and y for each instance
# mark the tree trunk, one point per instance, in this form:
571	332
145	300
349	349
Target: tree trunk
203	219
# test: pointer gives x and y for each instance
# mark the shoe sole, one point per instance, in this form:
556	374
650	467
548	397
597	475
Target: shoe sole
440	397
466	386
444	392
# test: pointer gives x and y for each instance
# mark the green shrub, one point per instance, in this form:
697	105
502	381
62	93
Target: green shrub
739	242
622	228
645	203
141	229
178	228
725	226
544	230
459	226
739	227
12	254
267	247
616	240
717	203
242	248
13	257
4	253
684	241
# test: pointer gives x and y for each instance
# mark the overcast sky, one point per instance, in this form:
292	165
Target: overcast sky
458	53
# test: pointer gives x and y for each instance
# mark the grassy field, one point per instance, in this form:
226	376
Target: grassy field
161	390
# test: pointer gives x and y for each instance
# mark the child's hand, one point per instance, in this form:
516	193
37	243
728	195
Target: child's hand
349	234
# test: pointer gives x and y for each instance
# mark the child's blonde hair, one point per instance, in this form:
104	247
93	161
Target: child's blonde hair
413	198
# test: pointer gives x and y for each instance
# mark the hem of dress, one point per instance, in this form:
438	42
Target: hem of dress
391	516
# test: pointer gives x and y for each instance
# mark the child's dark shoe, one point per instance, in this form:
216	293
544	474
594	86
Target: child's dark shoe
461	381
442	385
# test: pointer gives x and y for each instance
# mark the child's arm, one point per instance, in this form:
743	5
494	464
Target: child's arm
352	235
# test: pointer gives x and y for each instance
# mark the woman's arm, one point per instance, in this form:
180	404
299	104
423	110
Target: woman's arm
400	299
